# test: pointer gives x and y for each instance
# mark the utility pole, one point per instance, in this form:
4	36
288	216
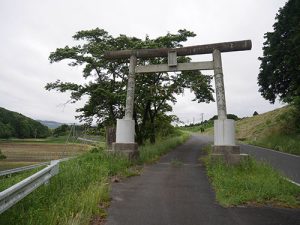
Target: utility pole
202	117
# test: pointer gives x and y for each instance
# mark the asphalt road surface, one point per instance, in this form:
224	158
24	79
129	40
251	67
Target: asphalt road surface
168	193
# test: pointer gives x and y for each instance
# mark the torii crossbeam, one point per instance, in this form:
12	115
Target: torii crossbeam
224	129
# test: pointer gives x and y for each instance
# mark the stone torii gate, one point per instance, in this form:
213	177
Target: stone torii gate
224	129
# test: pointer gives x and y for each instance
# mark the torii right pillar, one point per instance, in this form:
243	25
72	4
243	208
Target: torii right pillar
224	129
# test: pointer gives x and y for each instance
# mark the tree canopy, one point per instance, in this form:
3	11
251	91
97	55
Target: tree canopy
279	74
13	124
106	89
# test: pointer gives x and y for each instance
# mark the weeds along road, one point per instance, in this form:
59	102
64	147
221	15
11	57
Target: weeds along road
287	164
176	191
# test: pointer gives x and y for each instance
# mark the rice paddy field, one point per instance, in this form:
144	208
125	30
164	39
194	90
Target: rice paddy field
30	151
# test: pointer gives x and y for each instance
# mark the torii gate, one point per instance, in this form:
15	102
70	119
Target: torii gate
224	129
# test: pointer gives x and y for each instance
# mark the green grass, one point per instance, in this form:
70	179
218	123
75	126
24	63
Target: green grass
50	140
251	182
151	153
81	189
9	180
72	196
4	165
283	143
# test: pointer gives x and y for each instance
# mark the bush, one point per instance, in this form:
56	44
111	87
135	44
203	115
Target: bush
2	156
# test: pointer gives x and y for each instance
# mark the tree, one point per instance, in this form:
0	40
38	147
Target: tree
229	116
107	92
5	130
13	124
255	113
279	74
61	130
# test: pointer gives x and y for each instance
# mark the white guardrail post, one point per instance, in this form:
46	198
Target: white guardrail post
15	193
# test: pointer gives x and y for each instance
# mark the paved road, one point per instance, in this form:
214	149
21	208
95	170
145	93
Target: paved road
165	194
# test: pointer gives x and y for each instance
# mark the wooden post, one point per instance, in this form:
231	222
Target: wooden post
130	89
219	83
110	136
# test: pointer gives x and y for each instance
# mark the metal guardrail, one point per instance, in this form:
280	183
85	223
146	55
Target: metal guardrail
15	193
88	140
21	169
25	168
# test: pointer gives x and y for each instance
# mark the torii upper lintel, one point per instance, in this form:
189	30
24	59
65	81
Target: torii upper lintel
184	51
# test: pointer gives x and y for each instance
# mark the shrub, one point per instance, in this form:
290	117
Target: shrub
2	156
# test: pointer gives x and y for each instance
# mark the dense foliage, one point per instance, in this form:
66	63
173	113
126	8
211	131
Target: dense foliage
13	124
280	65
106	89
62	130
201	126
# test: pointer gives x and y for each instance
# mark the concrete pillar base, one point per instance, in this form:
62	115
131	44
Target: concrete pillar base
224	132
128	149
125	131
229	153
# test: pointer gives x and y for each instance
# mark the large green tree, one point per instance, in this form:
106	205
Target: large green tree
107	89
279	75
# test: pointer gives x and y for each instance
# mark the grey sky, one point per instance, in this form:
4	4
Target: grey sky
31	29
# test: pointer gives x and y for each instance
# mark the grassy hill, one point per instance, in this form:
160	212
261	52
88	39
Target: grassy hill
275	129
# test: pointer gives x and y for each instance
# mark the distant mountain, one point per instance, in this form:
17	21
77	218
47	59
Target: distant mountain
13	124
50	124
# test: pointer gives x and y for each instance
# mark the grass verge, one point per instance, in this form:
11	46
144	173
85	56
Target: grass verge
72	196
80	192
5	165
9	180
151	153
251	182
280	142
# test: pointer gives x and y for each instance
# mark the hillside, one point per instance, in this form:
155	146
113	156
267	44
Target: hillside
50	124
13	124
275	129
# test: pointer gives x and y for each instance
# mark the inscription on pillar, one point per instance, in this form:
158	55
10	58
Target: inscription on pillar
219	84
130	89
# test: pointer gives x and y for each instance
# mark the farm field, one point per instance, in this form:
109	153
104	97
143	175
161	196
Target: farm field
26	152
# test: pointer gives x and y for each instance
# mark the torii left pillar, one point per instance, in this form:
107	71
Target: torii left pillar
125	131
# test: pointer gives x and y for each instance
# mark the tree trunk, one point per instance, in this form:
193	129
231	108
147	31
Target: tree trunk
152	131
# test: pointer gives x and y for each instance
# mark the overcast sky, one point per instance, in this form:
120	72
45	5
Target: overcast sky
31	29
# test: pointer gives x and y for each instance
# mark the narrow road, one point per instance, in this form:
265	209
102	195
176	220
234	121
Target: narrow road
168	193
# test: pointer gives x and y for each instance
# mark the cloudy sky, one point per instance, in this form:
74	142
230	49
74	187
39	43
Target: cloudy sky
31	29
